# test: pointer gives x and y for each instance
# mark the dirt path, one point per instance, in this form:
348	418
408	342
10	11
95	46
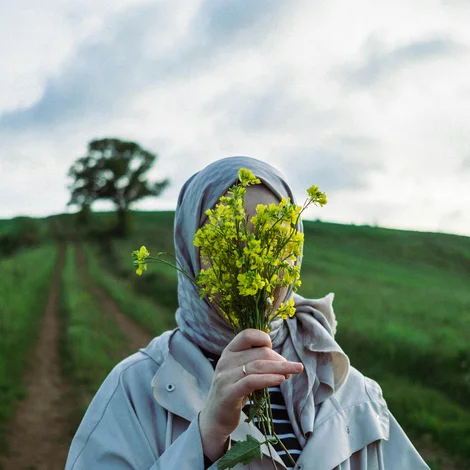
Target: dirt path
39	433
136	336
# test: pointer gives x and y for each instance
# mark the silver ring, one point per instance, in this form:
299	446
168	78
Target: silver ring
245	373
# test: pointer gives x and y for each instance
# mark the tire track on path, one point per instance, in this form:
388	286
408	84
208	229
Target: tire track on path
39	435
137	337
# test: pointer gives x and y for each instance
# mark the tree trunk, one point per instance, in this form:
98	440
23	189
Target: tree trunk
123	225
84	215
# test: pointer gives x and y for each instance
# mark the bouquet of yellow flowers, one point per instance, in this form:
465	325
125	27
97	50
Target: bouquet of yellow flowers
245	264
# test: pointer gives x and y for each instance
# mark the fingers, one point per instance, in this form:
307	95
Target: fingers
260	366
253	382
264	367
229	378
248	339
263	374
248	355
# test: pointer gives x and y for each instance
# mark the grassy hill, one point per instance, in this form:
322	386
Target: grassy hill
402	301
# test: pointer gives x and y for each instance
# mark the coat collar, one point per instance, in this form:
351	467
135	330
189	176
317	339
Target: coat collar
182	385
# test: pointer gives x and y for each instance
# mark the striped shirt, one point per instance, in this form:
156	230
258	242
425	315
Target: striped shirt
282	425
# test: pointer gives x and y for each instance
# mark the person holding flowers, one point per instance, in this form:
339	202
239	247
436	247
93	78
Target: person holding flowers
252	377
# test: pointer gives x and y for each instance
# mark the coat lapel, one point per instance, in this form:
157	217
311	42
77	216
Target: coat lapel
182	384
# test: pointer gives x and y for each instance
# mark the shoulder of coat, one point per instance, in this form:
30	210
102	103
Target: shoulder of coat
358	389
157	349
358	392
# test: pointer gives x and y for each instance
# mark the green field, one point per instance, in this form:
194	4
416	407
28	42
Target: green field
24	283
88	355
402	301
142	310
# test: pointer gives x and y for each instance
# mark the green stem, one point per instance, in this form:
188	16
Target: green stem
264	431
273	432
268	411
284	448
162	261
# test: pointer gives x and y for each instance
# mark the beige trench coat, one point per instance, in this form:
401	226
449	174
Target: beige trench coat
145	417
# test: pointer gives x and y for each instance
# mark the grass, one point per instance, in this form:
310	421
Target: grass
403	306
7	225
92	343
398	311
20	316
155	318
159	283
22	224
434	414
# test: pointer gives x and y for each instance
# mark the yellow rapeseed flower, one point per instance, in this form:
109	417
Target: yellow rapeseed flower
286	310
140	259
316	196
246	264
247	178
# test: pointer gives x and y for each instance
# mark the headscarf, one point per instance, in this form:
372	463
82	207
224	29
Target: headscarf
308	337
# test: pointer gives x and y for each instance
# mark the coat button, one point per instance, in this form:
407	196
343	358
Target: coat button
170	387
299	466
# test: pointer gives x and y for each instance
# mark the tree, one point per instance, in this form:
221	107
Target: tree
113	170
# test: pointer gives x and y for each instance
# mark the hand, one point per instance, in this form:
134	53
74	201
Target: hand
230	387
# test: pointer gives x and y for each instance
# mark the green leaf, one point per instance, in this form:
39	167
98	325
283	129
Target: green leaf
242	452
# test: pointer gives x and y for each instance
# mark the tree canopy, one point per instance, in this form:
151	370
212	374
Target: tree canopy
113	170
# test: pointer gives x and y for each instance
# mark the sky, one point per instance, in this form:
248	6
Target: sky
369	100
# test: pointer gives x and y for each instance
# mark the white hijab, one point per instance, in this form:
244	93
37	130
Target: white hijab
308	337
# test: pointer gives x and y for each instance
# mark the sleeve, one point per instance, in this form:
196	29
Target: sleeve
113	437
398	452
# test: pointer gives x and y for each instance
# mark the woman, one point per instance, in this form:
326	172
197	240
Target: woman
166	407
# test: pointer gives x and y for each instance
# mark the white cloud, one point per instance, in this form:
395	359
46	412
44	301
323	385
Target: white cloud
368	100
38	38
